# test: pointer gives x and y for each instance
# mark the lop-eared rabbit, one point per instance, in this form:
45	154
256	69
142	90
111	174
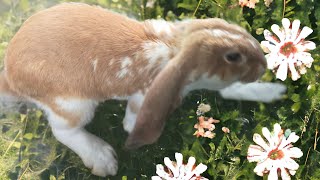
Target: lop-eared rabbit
68	58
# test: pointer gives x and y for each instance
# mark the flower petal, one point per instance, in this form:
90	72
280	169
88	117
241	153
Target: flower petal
170	165
269	37
258	139
294	74
306	31
305	58
200	169
292	172
272	60
268	47
190	164
156	178
257	158
302	69
260	168
286	25
197	171
179	159
293	138
276	29
306	45
266	133
273	173
295	29
293	152
161	172
255	150
284	174
282	71
290	163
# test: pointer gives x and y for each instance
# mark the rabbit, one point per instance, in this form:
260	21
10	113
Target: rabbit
68	58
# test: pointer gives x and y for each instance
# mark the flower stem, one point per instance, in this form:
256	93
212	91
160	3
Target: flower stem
284	8
315	137
195	11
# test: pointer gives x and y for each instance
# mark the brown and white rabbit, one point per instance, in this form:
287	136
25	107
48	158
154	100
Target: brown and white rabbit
68	58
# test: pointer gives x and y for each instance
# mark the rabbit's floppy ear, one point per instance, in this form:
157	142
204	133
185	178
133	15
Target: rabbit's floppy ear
160	100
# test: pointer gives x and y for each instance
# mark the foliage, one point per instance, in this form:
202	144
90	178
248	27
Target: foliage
29	151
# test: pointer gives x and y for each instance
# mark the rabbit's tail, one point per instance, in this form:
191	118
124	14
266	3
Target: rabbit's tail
9	100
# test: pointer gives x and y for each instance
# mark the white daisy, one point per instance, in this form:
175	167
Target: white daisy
287	50
179	171
276	155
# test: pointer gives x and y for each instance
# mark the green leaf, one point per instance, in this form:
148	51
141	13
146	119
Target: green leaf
295	98
24	5
198	151
221	148
296	107
28	136
52	177
16	145
23	117
190	7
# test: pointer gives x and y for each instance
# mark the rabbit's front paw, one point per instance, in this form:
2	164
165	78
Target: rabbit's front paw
129	121
102	160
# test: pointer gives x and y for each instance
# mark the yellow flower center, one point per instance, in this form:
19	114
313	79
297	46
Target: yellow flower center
275	154
288	48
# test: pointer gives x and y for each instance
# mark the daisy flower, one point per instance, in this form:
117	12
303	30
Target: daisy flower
205	127
288	49
276	156
179	171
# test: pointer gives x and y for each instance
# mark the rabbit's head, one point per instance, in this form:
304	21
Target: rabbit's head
224	50
212	54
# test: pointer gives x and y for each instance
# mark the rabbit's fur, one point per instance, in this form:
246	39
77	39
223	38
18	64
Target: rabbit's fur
70	57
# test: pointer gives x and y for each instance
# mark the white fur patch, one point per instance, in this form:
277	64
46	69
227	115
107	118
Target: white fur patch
83	107
54	120
121	98
126	62
253	43
205	82
75	105
129	120
157	54
122	73
124	69
94	64
223	33
161	27
111	62
264	92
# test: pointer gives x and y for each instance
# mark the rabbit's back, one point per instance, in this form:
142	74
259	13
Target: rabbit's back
73	49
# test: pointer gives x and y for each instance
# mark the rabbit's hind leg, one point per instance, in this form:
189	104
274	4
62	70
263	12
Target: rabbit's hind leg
67	118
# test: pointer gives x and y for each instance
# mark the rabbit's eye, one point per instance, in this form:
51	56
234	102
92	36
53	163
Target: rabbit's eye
233	57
